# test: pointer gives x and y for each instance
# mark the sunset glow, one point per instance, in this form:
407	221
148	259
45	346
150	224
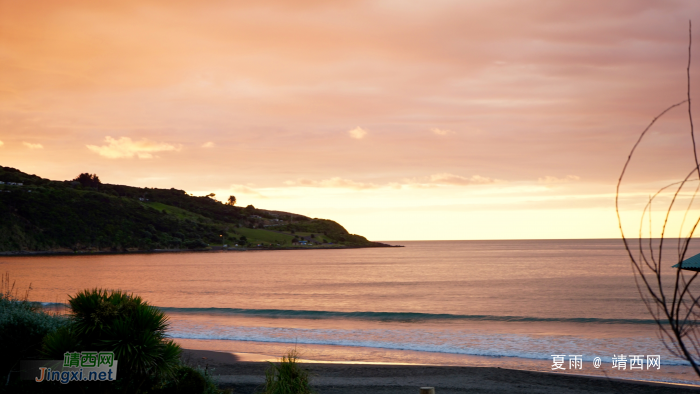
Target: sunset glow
400	120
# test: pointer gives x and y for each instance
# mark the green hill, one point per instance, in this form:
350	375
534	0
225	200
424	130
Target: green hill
38	214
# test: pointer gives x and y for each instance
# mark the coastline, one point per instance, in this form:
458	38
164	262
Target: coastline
158	251
244	373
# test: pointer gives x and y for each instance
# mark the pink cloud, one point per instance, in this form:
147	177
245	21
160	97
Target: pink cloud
450	179
433	180
31	145
553	179
124	147
509	90
442	132
358	133
335	182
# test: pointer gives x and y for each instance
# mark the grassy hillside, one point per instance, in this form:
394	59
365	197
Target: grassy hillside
265	236
45	215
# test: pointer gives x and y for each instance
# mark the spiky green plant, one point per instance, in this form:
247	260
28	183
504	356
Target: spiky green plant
288	377
104	320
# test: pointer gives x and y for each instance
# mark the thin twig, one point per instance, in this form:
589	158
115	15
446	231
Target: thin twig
677	315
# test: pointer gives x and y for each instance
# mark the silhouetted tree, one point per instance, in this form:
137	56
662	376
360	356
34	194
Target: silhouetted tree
88	180
231	200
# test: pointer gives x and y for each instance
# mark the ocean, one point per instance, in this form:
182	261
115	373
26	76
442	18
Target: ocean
508	304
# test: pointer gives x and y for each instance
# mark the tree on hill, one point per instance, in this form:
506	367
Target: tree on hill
88	180
231	200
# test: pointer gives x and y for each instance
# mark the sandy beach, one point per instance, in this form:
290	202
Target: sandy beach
245	376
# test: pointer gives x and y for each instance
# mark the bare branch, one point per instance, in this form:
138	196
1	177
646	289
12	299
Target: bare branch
677	315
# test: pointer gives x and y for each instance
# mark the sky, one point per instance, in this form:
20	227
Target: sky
420	120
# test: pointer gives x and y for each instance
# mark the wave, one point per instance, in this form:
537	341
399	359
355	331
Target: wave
512	346
392	316
45	304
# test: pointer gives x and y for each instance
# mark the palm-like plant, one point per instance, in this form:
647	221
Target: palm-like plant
104	320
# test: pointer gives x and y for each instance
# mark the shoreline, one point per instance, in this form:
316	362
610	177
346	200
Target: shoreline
158	251
245	373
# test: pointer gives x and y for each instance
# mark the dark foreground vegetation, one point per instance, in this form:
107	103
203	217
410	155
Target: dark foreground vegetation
101	320
98	320
84	215
288	377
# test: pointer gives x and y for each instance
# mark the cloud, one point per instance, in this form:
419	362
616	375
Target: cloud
552	179
208	144
2	143
32	146
441	131
335	182
243	189
450	179
358	133
124	147
432	181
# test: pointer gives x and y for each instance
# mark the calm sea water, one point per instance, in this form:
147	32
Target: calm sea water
511	304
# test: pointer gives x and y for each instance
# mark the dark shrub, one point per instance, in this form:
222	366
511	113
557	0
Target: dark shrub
195	244
187	380
287	377
105	320
23	325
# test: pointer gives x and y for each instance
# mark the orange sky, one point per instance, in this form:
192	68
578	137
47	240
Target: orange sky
401	120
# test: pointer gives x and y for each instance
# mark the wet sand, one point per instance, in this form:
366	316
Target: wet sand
245	374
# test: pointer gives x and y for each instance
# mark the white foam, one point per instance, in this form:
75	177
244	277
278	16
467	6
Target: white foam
438	341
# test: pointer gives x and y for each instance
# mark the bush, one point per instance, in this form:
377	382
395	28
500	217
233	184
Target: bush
195	244
105	320
23	325
288	377
188	380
